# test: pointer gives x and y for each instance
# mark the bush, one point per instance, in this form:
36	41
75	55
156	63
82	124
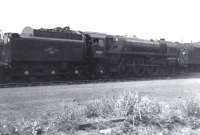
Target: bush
142	116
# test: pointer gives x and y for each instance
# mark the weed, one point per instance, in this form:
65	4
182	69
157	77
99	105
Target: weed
143	116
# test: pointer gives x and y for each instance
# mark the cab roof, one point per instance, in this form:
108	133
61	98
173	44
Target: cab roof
96	34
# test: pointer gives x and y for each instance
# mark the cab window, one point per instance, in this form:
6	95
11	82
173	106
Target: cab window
98	42
111	43
95	41
101	43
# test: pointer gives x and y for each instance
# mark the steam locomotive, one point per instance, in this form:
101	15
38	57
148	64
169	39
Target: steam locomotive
61	52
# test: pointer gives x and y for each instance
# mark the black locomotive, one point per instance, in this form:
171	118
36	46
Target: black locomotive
61	52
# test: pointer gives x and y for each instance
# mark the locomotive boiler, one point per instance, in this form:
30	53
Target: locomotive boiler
138	57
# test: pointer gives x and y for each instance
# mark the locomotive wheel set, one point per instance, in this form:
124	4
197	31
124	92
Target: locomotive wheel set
74	55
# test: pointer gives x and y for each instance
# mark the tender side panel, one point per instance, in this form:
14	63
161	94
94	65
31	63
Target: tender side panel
47	50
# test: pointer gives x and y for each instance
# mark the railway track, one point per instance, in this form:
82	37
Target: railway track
67	82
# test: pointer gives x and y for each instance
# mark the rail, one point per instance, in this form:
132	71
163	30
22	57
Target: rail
64	82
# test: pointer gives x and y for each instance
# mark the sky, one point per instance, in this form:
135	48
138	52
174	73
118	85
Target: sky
174	20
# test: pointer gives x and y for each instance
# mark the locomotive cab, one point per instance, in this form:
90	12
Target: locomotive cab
97	45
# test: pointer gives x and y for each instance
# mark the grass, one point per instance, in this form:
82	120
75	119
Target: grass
143	116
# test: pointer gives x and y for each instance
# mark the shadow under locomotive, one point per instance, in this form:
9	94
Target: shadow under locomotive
74	55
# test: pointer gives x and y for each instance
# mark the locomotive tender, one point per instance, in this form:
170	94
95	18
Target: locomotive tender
75	54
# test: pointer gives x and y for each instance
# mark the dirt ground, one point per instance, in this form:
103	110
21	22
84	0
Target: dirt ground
34	101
